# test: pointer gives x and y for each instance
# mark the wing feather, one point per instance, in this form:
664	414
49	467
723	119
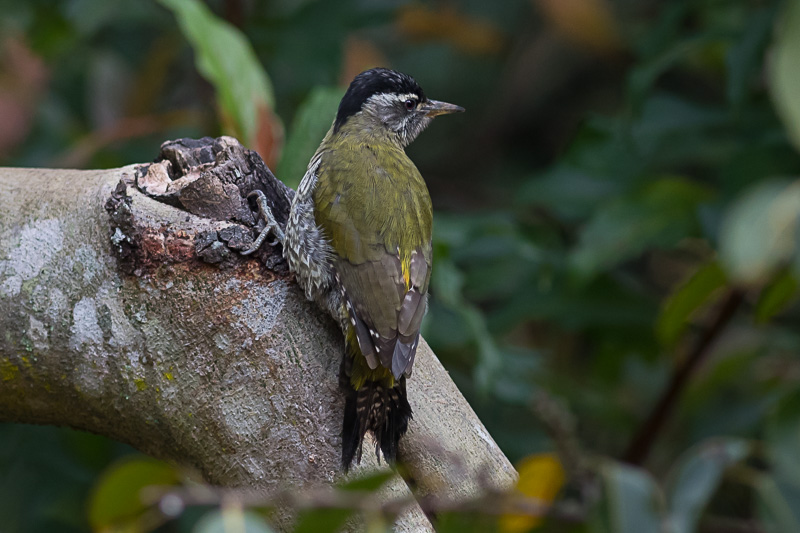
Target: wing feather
382	257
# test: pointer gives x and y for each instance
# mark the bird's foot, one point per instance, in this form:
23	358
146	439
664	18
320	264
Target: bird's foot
271	227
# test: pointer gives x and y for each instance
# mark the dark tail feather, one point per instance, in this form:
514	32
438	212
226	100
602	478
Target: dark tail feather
383	411
353	428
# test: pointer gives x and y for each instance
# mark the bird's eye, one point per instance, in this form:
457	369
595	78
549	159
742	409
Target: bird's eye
411	104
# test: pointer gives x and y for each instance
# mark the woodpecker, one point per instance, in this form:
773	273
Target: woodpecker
358	240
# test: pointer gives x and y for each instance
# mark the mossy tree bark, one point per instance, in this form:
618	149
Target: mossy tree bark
113	323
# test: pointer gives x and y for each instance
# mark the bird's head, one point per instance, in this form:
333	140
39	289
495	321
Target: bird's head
389	102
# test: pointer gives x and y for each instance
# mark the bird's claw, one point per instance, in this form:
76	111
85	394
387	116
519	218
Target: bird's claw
271	227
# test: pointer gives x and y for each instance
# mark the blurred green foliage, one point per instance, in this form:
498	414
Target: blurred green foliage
621	167
225	58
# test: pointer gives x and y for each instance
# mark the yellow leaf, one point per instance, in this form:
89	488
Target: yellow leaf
359	55
541	478
444	23
587	23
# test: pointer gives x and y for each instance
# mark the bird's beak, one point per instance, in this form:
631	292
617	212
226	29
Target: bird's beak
433	108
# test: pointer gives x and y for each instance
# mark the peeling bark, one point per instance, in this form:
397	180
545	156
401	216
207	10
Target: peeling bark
118	325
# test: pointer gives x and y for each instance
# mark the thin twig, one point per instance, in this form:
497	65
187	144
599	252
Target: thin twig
560	425
126	128
167	503
171	502
722	524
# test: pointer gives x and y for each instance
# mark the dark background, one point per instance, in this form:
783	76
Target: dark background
613	190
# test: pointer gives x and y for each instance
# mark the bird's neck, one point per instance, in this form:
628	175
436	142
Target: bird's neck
363	129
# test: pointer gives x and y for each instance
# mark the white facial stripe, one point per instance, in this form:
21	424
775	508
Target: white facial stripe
381	99
391	98
409	96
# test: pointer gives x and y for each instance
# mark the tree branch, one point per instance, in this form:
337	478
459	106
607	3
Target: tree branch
116	325
646	436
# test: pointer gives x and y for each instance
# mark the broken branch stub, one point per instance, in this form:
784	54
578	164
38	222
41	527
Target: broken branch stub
209	178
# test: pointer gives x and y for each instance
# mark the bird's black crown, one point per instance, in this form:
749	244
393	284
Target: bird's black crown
372	82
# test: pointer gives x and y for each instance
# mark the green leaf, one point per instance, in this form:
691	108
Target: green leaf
225	58
231	520
779	493
697	291
310	124
673	129
784	74
331	520
644	75
758	234
783	437
744	59
567	191
778	505
369	483
447	282
321	520
635	502
658	216
779	294
695	478
489	358
465	522
116	497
